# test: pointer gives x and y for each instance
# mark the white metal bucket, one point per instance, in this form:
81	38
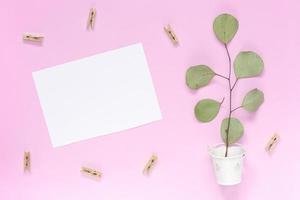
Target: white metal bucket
228	170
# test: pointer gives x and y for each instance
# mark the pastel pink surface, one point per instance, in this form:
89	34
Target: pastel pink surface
184	168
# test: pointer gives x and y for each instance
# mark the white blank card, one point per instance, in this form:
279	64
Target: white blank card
97	95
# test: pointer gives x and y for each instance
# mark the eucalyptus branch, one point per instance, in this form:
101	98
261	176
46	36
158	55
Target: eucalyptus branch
230	100
246	64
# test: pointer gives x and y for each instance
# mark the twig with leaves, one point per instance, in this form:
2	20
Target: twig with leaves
247	64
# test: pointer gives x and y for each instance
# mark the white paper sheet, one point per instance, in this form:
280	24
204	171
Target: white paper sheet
97	95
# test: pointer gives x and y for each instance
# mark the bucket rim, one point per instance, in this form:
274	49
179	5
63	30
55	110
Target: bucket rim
210	151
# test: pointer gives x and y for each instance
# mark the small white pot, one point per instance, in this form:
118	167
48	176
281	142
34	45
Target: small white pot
228	170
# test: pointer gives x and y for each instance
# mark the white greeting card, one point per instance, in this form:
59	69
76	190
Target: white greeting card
97	95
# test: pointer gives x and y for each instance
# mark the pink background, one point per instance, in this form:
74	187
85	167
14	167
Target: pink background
184	171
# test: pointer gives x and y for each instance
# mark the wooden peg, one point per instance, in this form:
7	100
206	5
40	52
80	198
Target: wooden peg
150	164
26	161
91	19
168	29
272	143
31	37
91	172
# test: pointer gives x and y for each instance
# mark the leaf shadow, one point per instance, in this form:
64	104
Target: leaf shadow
231	192
246	116
38	44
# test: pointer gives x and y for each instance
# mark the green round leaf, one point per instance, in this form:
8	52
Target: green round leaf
225	27
253	100
207	109
199	76
236	130
248	64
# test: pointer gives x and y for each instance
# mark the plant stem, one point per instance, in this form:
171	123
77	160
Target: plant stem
222	101
221	76
236	80
230	100
236	109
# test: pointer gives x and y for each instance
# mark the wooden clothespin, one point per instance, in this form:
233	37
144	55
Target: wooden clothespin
91	172
150	164
272	143
168	29
26	161
31	37
91	19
